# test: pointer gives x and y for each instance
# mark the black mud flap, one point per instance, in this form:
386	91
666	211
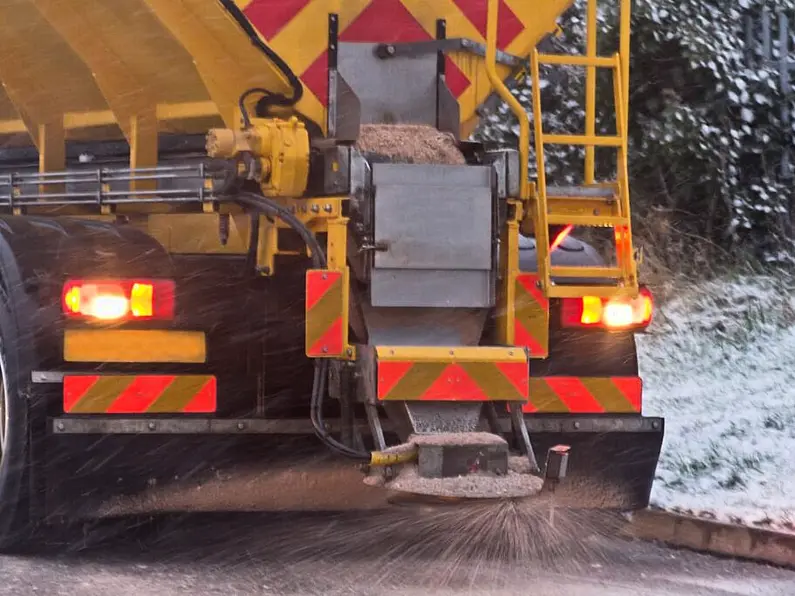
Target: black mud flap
612	461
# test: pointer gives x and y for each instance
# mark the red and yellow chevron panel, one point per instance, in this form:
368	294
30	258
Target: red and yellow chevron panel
584	395
451	374
531	316
298	31
326	313
139	394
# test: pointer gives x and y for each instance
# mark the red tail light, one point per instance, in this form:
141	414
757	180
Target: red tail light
117	300
617	314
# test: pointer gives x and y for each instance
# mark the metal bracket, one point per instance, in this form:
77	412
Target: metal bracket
520	430
455	44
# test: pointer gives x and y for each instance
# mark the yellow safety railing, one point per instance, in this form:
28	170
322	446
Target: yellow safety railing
593	204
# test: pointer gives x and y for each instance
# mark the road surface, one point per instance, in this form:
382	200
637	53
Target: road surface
361	548
351	554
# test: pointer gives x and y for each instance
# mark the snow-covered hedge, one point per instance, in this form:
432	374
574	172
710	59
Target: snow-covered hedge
705	123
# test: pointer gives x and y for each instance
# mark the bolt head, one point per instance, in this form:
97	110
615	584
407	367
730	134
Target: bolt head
152	426
577	425
61	426
241	426
325	349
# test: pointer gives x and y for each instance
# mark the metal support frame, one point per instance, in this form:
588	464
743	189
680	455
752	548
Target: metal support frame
386	51
98	189
125	93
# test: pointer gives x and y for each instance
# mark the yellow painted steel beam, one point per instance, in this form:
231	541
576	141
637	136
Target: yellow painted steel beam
566	291
586	272
135	63
506	95
51	142
164	112
575	60
595	221
590	91
596	141
92	31
42	78
225	58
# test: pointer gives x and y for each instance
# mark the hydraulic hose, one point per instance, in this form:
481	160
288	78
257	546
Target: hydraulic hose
408	453
270	208
294	82
269	98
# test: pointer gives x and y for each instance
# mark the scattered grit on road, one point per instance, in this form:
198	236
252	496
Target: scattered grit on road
359	554
494	551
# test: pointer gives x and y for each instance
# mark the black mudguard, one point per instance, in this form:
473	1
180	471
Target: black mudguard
613	458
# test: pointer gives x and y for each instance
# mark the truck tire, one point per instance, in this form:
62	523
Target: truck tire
16	525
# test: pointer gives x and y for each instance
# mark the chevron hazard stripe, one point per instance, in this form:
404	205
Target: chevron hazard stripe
326	313
138	394
282	22
531	316
457	378
584	395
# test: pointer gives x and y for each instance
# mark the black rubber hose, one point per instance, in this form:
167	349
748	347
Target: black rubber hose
316	416
248	29
271	208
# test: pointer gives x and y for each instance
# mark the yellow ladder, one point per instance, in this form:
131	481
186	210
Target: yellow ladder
593	205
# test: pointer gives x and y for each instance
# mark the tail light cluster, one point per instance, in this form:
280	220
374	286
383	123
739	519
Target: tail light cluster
615	314
119	300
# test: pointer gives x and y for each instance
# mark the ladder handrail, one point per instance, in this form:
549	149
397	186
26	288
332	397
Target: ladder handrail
626	272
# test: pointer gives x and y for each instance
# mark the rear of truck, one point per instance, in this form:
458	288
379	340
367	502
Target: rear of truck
334	260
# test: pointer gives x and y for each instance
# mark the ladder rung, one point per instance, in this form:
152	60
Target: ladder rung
569	60
586	140
593	221
565	291
587	272
581	192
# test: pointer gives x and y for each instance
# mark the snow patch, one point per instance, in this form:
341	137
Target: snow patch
719	365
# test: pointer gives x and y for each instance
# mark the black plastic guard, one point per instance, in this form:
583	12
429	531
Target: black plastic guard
612	461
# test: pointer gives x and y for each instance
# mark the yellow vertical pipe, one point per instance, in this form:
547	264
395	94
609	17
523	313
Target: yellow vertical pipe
590	92
506	95
626	17
540	204
506	315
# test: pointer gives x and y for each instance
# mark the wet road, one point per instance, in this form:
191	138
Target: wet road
362	554
362	547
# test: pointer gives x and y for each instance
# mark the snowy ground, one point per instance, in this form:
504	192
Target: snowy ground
719	364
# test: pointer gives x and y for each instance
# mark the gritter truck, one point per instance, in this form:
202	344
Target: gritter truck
258	220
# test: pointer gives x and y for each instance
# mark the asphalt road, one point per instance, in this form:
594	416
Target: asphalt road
361	547
364	554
